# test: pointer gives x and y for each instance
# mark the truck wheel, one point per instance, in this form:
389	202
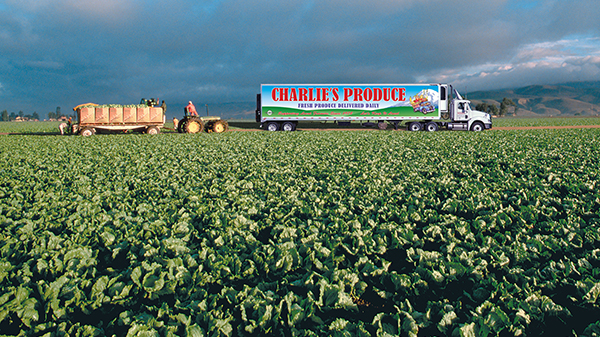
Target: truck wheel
382	125
477	126
288	126
415	126
272	126
220	126
432	127
152	130
193	125
86	132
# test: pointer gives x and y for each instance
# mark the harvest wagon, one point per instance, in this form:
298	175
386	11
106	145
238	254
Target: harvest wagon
115	117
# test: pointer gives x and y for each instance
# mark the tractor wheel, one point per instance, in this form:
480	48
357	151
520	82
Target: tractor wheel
193	125
220	126
181	124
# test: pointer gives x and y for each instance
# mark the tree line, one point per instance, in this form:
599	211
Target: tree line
6	117
493	109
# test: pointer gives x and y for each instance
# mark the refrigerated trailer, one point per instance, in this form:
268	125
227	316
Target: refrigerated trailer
420	106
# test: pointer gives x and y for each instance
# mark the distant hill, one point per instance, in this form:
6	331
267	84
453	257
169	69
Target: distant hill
568	99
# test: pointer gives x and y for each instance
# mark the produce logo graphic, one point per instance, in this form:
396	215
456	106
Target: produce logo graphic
421	103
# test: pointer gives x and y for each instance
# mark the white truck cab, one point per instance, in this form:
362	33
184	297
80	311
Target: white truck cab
464	118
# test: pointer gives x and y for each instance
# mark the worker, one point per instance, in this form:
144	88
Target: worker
62	127
164	106
191	109
175	123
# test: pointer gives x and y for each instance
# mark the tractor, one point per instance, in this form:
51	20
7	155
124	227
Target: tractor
194	123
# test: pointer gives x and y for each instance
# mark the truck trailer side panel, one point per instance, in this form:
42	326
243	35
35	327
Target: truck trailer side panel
337	102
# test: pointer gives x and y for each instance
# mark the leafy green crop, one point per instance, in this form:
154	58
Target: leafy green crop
29	127
545	121
304	234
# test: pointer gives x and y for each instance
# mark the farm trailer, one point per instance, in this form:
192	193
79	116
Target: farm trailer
138	117
422	106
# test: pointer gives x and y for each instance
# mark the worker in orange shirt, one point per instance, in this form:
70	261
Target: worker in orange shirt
191	109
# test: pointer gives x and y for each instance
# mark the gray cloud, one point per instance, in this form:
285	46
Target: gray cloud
65	52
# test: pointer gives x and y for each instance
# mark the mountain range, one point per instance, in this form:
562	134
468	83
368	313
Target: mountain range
568	99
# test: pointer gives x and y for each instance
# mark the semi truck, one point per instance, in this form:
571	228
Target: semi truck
427	107
143	117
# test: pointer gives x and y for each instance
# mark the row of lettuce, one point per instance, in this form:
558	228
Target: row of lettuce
336	233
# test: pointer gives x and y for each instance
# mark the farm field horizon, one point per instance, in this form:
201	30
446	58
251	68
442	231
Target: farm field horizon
51	127
309	233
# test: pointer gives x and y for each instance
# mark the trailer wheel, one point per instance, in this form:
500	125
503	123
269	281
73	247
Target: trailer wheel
382	125
415	126
220	126
477	126
288	126
87	131
152	130
272	126
432	127
193	125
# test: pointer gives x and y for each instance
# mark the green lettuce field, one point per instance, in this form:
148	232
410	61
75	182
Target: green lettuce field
308	233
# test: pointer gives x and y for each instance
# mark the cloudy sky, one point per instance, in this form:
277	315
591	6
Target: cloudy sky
66	52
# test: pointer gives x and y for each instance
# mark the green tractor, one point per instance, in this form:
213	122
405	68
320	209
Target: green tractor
194	124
